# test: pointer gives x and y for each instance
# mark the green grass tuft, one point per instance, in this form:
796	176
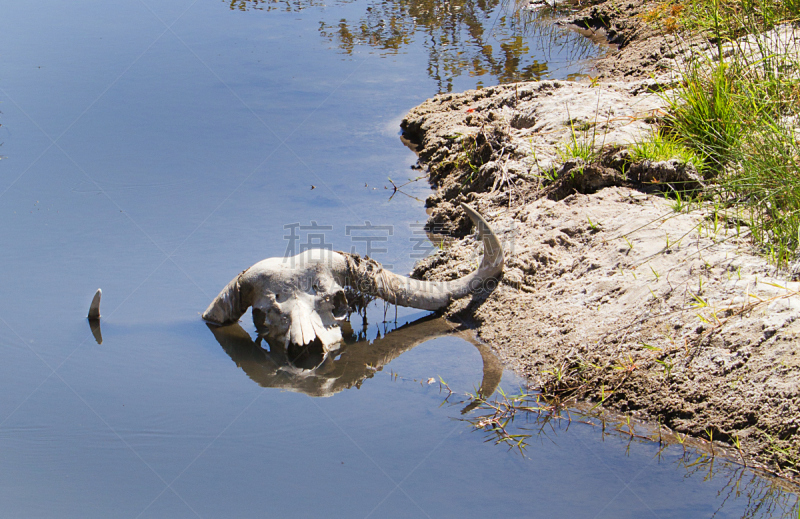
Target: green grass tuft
659	148
735	115
581	145
705	115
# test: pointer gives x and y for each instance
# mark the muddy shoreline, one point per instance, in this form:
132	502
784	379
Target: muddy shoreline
613	294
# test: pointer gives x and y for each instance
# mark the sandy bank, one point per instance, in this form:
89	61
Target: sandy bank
612	292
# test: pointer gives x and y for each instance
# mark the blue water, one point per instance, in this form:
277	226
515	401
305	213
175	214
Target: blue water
156	149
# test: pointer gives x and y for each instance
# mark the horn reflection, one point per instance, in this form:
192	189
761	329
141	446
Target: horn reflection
311	371
94	325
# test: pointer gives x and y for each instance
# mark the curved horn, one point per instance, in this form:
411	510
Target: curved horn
369	277
231	303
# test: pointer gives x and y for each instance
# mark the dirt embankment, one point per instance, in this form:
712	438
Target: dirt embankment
613	293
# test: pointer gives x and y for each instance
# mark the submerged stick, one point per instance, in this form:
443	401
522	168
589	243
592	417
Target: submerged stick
94	308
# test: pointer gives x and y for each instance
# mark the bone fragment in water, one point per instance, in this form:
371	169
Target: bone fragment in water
94	308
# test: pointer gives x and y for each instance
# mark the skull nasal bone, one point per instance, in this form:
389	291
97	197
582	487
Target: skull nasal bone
302	329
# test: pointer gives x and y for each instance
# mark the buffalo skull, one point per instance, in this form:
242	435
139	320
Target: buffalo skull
301	298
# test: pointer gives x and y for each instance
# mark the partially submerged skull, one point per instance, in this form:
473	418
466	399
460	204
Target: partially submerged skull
297	298
300	299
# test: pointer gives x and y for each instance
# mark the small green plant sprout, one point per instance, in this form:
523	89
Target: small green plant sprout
677	201
577	148
682	440
714	220
558	372
655	272
650	347
626	363
628	425
673	243
652	293
666	365
737	443
501	414
678	204
710	433
585	365
630	244
582	146
443	385
594	226
699	302
546	176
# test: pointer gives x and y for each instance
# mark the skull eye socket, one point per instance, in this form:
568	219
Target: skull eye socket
340	306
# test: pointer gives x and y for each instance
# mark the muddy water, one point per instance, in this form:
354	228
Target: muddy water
155	149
